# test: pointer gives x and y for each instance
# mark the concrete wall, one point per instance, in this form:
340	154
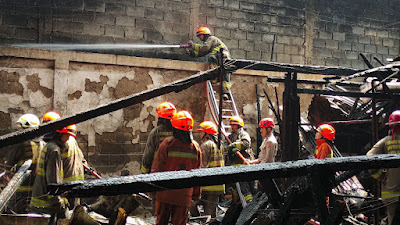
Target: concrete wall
68	82
303	31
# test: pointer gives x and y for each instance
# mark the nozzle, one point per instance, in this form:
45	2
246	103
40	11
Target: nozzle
185	46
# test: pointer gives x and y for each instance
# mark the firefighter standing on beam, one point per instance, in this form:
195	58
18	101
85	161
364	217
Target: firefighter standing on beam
179	152
165	112
212	156
211	47
241	142
390	178
19	153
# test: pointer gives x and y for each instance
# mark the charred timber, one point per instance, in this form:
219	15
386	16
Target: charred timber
293	68
349	94
176	86
14	183
220	175
306	81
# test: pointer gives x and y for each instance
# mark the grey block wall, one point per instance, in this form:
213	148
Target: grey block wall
321	32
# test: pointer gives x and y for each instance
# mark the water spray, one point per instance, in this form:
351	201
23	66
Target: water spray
67	47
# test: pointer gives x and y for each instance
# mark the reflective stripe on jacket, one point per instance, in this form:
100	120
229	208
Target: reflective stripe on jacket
49	170
212	156
211	46
73	159
174	155
21	152
156	136
391	183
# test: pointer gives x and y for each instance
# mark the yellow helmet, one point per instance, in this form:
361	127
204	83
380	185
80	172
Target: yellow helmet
236	120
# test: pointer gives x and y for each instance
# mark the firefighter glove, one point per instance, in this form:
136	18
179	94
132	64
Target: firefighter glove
232	148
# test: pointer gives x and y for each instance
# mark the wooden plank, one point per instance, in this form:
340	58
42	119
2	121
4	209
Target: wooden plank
220	175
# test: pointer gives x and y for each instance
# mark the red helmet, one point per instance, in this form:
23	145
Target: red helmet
208	127
394	118
327	131
70	129
49	116
267	122
236	120
166	110
203	30
182	120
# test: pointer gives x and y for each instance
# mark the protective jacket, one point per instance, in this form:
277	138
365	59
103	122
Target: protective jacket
156	136
390	178
22	152
49	170
212	156
73	160
268	149
175	155
211	46
241	141
324	150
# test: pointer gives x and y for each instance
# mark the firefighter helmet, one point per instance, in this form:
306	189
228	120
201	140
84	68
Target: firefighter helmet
236	120
49	116
28	120
182	120
203	30
208	127
166	110
327	131
394	118
70	129
267	122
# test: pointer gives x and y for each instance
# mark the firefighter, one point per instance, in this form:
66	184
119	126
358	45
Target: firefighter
269	146
17	156
50	170
324	138
240	141
73	161
179	152
389	178
212	156
165	111
72	157
211	47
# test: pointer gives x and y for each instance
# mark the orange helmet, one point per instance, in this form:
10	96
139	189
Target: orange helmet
166	110
208	127
70	129
203	30
49	116
182	120
327	131
236	120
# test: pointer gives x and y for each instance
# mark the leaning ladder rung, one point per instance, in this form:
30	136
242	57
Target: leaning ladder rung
226	117
227	110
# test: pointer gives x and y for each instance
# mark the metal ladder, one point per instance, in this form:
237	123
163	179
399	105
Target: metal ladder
228	107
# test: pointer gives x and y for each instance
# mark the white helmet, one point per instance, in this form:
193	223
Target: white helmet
28	120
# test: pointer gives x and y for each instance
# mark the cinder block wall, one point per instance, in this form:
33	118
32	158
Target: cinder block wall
322	32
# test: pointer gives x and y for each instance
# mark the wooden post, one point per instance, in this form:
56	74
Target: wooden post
291	119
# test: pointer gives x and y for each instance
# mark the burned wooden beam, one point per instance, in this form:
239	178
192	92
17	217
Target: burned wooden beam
349	94
220	175
176	86
14	183
294	68
306	81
